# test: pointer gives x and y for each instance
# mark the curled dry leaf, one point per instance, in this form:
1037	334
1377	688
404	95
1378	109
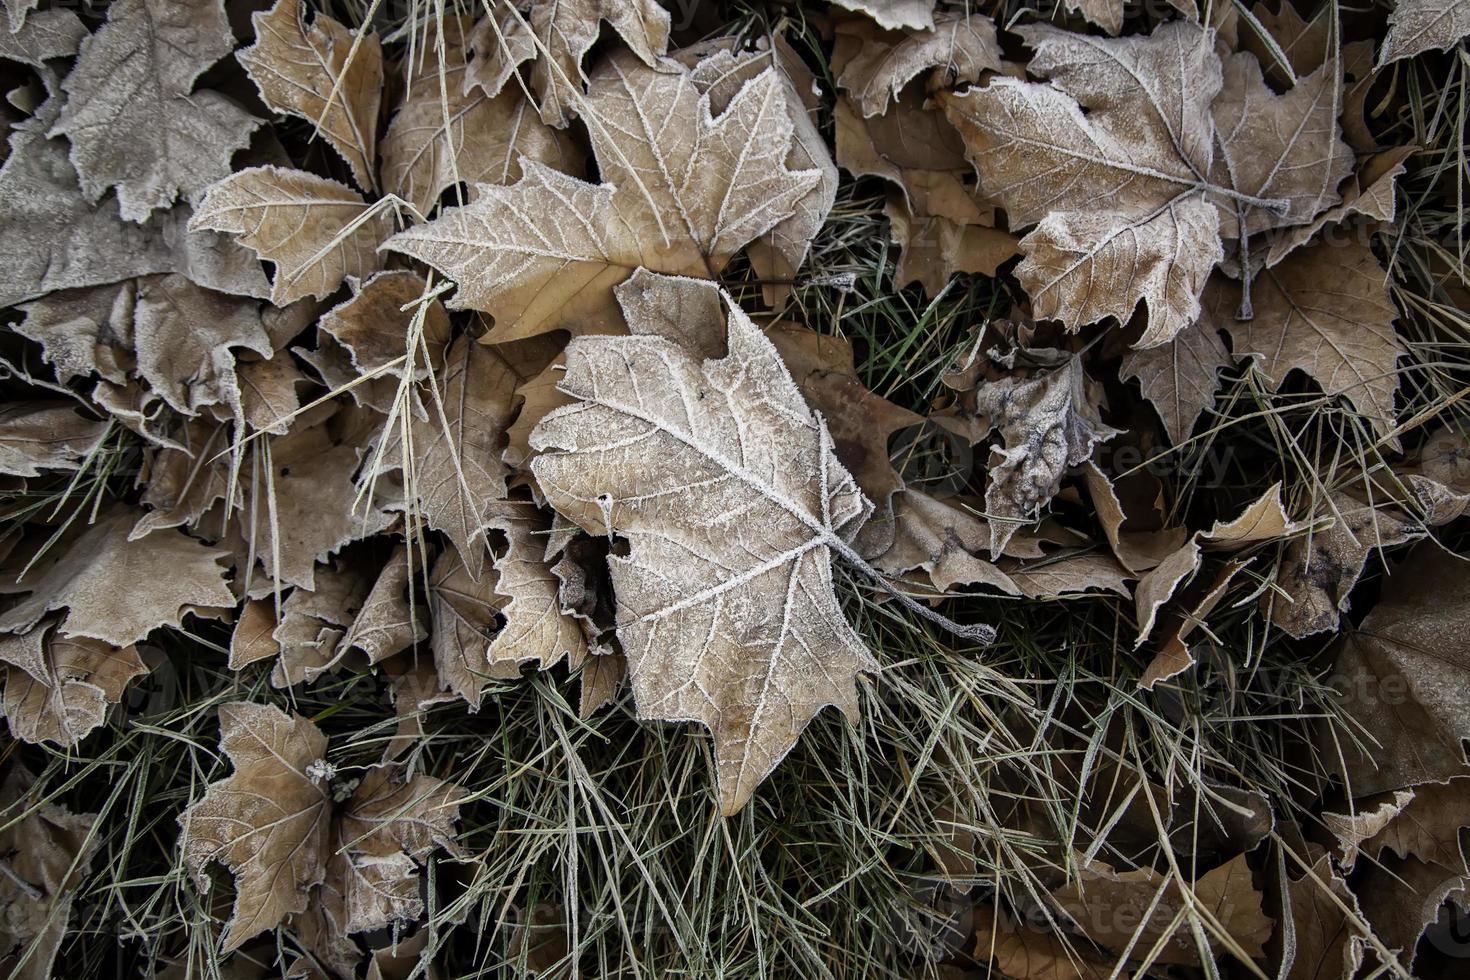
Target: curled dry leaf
325	74
943	540
961	47
48	850
683	192
36	436
465	611
1370	195
716	469
1048	424
57	688
536	626
115	589
447	131
316	231
558	36
132	118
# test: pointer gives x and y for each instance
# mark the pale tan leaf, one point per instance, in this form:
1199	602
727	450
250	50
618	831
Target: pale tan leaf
465	613
913	147
115	589
297	68
1133	520
268	396
1325	311
1175	656
1417	26
82	679
49	851
537	397
132	118
36	436
1107	161
893	15
1155	588
561	33
1426	826
1404	679
684	191
1047	424
439	138
1364	821
943	540
1284	148
936	248
536	626
1107	14
732	501
182	483
602	676
1264	519
960	47
268	822
1180	376
47	34
315	230
313	622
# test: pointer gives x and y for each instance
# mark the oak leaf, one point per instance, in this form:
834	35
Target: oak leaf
680	197
716	469
131	115
115	589
440	138
325	74
78	681
558	35
316	231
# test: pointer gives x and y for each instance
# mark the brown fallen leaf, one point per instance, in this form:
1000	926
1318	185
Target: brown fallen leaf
1417	26
316	231
115	589
364	336
132	116
49	435
276	823
388	622
414	689
960	47
1366	819
602	677
310	628
1318	572
469	136
77	682
466	613
537	627
942	540
1324	311
558	35
1047	424
546	252
1328	942
56	238
84	331
1135	908
1401	898
325	74
935	247
1399	678
1175	656
34	40
1427	826
659	449
268	822
1051	578
1105	160
48	850
1181	376
1132	516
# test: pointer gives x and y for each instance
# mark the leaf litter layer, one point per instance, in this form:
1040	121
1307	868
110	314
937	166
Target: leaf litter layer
454	455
